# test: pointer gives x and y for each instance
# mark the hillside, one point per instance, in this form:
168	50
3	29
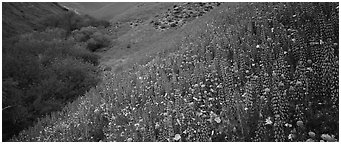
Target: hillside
101	10
47	61
143	31
207	72
24	17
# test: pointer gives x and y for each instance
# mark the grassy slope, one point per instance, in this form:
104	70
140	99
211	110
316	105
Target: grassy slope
23	17
143	39
101	10
235	77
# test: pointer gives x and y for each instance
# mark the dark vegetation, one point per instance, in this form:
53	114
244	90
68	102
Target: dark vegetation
92	37
45	69
254	72
70	21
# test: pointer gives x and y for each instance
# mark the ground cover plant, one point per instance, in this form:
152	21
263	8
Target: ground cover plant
43	70
255	72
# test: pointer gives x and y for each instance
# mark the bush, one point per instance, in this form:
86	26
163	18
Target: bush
70	21
41	73
93	38
84	33
76	76
86	56
97	41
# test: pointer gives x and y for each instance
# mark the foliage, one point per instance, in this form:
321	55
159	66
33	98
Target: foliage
70	21
97	41
93	37
41	72
246	76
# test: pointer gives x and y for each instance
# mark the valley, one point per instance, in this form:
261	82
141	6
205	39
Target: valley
198	72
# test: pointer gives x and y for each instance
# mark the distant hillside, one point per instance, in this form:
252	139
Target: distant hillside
19	17
101	10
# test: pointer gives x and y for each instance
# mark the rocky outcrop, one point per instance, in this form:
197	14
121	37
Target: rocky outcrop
135	23
180	14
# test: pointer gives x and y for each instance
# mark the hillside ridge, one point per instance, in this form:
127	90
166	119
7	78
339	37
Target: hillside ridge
24	17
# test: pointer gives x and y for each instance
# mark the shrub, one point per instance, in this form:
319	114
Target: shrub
84	33
93	37
70	21
76	76
97	41
41	72
86	56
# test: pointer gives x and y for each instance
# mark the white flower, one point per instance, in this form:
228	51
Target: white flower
298	83
268	121
267	90
198	113
219	86
288	125
157	125
185	131
96	111
217	119
291	136
177	120
177	137
129	140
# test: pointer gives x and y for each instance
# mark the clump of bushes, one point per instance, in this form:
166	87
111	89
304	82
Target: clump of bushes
42	71
92	37
97	41
45	69
70	21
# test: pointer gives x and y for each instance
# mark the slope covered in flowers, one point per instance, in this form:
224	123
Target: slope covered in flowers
256	72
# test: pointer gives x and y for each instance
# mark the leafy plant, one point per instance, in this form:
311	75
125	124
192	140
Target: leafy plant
42	71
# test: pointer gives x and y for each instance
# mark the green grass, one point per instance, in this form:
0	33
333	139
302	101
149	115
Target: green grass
240	77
